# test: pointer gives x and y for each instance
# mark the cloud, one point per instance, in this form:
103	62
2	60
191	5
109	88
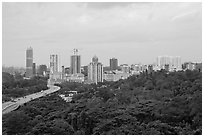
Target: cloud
184	15
104	5
68	24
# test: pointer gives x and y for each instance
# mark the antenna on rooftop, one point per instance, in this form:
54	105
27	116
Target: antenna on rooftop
75	51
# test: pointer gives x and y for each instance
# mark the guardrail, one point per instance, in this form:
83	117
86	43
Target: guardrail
8	106
15	106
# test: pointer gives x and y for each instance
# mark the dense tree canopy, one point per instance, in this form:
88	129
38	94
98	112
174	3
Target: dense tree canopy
156	103
16	86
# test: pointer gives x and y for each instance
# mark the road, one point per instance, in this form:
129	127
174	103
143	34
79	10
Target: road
10	106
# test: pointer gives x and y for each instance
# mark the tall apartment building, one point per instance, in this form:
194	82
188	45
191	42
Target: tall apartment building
113	64
174	62
162	61
95	71
53	64
75	66
29	62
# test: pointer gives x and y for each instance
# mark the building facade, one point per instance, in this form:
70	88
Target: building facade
34	69
63	73
53	64
74	77
42	70
115	75
55	75
191	66
125	68
95	71
113	64
136	69
29	62
75	66
174	62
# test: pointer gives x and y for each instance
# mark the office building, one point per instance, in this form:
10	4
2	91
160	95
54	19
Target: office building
29	62
95	71
113	64
75	66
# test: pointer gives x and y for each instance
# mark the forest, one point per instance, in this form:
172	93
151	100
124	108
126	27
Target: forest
14	86
159	103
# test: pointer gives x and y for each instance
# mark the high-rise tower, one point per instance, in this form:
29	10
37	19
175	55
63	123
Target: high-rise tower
95	71
75	66
53	64
113	64
29	62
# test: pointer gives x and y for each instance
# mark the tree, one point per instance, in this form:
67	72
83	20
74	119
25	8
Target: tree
16	122
54	127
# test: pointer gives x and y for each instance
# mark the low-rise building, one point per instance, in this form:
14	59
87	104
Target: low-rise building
125	68
115	75
74	77
191	66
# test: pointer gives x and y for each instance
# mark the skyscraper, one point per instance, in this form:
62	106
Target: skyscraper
95	71
75	66
29	62
53	64
113	64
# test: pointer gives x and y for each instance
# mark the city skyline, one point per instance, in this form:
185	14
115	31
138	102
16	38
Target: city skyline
131	32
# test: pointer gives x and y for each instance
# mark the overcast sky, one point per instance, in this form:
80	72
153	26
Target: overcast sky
130	32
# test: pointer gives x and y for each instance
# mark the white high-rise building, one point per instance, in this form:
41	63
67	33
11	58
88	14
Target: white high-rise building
162	61
174	62
95	71
53	64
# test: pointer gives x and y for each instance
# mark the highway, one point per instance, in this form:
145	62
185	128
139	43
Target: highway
10	106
